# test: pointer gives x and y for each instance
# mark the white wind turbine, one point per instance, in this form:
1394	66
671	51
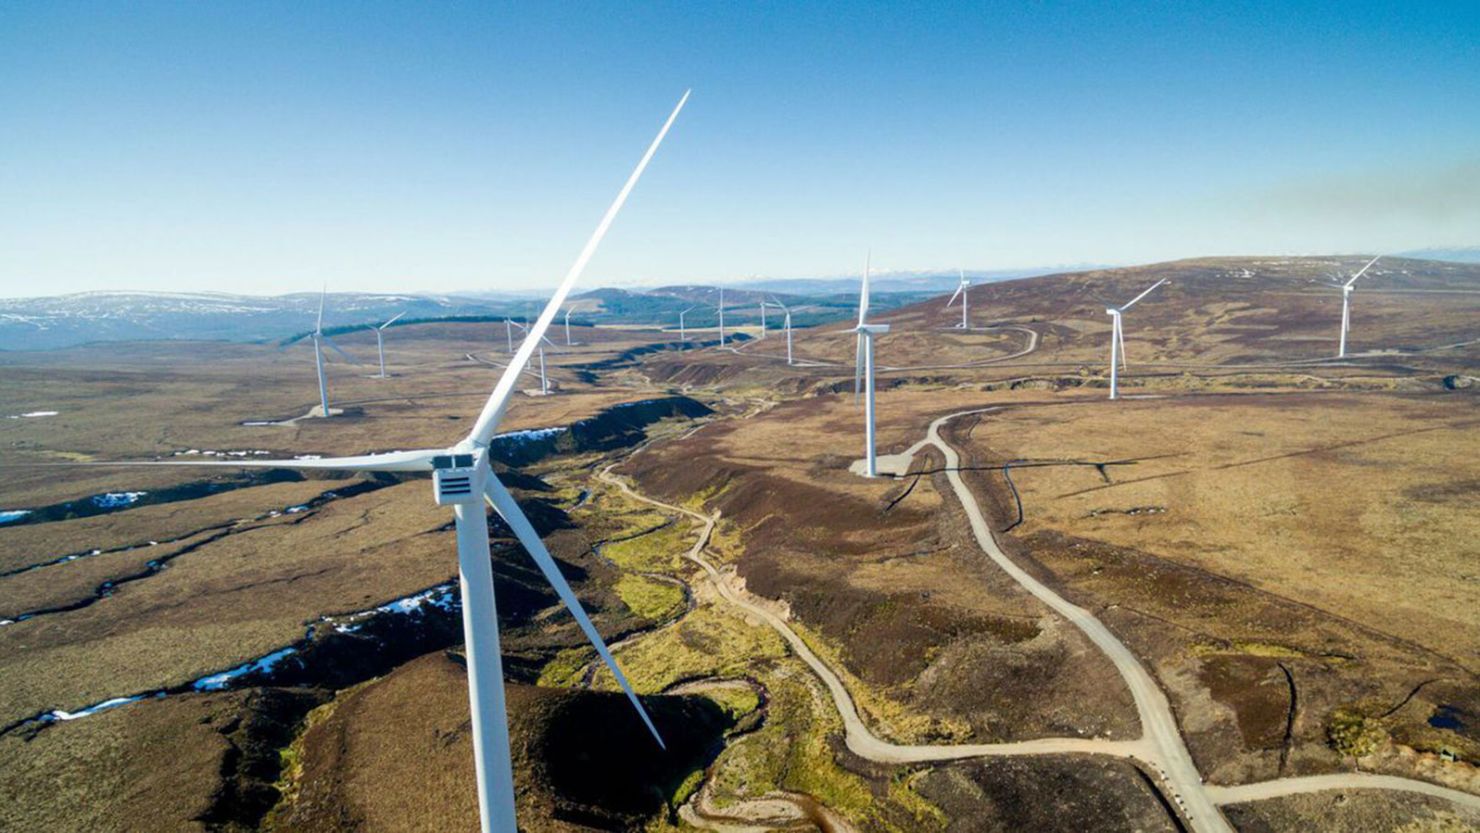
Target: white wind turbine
568	342
380	341
786	325
864	368
1117	336
960	293
681	335
1346	306
319	340
789	360
463	479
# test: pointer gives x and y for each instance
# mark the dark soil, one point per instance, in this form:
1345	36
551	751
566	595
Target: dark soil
1047	794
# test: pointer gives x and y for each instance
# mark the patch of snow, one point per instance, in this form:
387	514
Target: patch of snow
33	415
293	510
94	709
10	515
257	423
528	434
265	664
113	500
442	597
309	457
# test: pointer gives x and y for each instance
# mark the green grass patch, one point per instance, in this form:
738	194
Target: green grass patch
657	551
649	598
566	669
705	643
737	701
791	752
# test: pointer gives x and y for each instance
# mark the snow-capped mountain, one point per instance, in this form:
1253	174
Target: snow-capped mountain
66	320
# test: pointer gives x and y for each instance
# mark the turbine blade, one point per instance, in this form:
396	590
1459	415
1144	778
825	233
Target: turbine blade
319	327
1362	272
420	460
1120	336
498	402
393	320
956	295
335	348
504	504
863	294
858	368
1144	293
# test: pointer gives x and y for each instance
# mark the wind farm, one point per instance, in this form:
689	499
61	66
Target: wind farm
762	456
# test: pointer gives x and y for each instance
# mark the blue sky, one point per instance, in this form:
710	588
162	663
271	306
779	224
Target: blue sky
264	147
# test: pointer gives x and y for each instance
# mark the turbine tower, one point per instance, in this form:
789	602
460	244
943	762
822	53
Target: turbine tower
568	342
319	341
785	325
681	335
463	479
788	338
380	341
960	293
864	368
1346	306
1117	336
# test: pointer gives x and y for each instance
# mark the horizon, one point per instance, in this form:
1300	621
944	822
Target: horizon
395	150
741	282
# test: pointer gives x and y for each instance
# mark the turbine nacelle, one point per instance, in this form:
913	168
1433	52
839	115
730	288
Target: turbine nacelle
458	477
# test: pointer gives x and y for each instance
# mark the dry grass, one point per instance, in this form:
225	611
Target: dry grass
1364	506
229	601
152	766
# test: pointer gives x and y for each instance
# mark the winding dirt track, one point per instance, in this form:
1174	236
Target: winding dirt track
1161	746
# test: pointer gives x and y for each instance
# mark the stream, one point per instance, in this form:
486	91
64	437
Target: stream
433	617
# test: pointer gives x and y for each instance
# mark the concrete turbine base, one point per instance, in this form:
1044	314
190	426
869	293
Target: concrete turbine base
888	465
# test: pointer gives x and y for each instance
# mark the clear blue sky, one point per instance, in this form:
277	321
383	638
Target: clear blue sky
265	147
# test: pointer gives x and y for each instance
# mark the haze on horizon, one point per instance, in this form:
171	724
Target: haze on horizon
268	148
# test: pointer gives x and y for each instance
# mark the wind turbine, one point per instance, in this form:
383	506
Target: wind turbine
786	323
568	342
864	367
1346	306
380	340
681	314
1117	335
788	338
544	382
463	479
960	293
319	340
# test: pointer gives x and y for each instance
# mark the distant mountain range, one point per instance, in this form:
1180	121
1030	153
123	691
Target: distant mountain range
59	321
1463	254
932	282
67	320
